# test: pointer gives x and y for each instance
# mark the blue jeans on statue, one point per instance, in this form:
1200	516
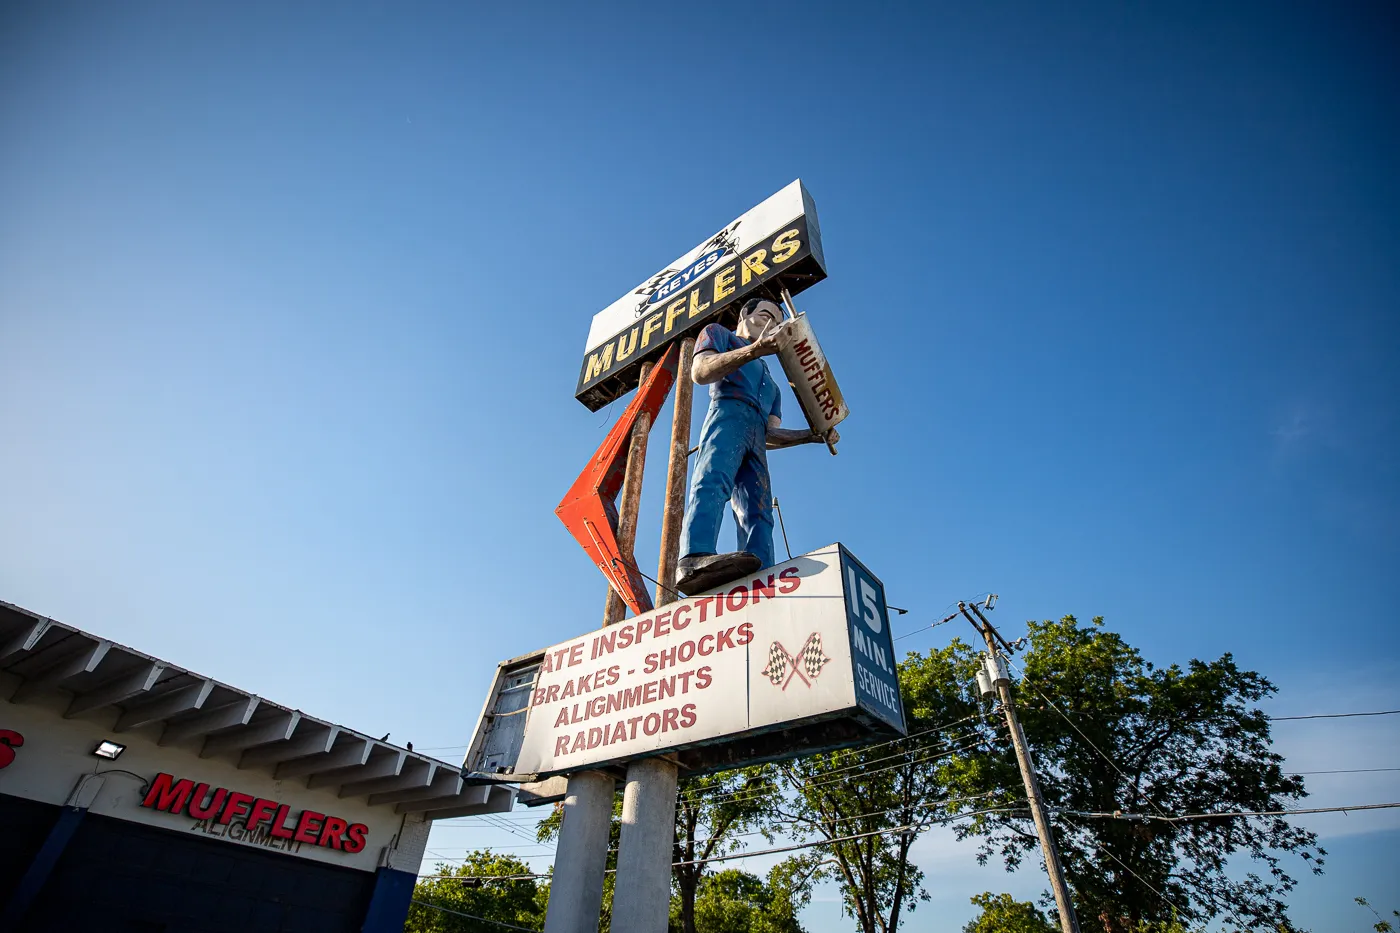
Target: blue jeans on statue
731	467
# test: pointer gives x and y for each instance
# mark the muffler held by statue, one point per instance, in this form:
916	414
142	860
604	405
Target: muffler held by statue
811	378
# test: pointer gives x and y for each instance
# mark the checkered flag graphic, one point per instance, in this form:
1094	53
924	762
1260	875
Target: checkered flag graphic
777	669
813	660
805	665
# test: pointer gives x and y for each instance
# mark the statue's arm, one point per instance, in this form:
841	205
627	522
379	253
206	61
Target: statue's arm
779	438
710	366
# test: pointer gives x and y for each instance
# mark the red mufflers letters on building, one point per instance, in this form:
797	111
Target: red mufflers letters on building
9	741
169	795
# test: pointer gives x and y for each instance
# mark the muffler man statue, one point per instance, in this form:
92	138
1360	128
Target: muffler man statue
741	426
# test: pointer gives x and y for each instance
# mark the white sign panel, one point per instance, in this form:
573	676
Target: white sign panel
803	641
701	262
777	243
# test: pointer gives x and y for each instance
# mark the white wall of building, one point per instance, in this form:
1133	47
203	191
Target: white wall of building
57	754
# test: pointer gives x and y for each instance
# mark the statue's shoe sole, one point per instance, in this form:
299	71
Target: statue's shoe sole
717	570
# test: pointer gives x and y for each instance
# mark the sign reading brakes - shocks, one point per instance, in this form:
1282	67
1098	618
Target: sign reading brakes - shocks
805	641
777	240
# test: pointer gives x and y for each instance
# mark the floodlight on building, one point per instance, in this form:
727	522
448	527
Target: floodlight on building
109	750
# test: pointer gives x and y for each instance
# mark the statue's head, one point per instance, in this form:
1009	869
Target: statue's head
757	315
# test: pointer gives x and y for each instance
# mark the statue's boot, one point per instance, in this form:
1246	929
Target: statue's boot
701	572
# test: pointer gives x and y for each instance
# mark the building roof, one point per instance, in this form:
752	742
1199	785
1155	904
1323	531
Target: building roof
214	720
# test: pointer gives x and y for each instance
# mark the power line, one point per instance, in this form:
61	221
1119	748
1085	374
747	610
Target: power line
1170	903
499	923
1162	814
897	830
844	819
1383	712
548	848
946	619
926	628
825	778
757	832
738	855
796	821
512	828
1185	817
515	823
862	766
1093	714
522	818
913	735
524	876
1111	763
1128	868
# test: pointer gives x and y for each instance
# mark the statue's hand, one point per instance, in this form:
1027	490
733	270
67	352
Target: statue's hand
832	437
772	341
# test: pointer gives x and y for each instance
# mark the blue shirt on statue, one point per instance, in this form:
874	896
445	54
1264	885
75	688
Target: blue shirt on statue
750	383
731	471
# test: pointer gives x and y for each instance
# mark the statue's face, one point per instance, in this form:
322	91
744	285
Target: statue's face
753	324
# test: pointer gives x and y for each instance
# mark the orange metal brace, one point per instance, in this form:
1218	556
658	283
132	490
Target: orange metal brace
589	508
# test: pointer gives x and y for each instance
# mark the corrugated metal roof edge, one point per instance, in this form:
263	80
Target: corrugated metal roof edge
101	675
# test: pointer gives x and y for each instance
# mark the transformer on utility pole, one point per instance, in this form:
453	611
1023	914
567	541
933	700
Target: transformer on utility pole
994	679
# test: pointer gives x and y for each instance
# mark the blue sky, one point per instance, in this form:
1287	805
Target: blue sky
292	302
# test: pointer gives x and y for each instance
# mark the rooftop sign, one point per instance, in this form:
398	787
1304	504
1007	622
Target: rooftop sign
778	241
800	655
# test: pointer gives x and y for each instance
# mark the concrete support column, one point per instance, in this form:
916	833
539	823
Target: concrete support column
576	891
642	899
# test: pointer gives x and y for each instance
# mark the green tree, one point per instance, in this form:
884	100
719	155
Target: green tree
886	794
1381	925
1001	914
712	811
734	901
462	890
1138	744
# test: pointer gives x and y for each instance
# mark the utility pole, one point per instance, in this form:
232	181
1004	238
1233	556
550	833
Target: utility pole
1069	923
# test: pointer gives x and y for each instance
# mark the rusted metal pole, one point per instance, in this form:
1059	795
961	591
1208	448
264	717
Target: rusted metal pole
673	513
629	503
